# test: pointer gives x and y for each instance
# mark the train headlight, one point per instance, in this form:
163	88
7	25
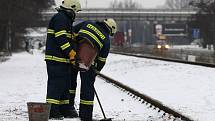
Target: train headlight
158	46
167	46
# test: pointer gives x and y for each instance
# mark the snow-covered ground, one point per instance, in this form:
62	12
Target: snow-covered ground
185	88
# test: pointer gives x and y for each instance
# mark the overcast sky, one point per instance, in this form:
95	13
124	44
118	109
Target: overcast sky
106	3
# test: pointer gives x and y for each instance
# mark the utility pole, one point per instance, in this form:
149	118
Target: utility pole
86	3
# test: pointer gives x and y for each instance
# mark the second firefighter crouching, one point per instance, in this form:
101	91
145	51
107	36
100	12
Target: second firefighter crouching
93	49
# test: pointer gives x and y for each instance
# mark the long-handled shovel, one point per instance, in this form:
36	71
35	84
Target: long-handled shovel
97	97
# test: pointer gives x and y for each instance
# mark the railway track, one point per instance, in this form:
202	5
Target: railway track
171	114
166	59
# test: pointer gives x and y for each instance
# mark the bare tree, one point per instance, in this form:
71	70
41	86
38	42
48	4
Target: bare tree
16	15
177	4
124	4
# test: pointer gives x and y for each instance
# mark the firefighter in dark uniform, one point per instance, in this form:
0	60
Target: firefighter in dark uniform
60	53
97	32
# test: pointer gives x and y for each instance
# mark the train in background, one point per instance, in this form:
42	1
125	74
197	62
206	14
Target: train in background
161	43
118	39
159	36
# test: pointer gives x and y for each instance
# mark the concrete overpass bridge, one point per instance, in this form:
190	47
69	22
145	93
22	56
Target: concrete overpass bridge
138	25
132	15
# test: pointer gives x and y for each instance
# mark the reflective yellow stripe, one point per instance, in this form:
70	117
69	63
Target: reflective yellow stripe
57	34
72	91
63	47
52	101
102	59
68	35
86	102
64	102
93	36
50	31
54	58
90	26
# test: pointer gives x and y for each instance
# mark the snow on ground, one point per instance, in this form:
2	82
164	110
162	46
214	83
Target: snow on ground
186	88
22	79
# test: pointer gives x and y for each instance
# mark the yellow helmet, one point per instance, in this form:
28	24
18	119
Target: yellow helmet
111	25
72	5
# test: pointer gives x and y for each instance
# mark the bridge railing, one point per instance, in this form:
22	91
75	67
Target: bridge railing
133	14
108	10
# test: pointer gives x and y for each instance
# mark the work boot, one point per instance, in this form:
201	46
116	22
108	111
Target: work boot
86	112
72	113
55	113
68	111
86	119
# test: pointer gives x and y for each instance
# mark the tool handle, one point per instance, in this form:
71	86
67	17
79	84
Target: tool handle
99	103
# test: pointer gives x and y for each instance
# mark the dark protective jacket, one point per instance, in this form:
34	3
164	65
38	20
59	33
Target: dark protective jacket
59	38
98	34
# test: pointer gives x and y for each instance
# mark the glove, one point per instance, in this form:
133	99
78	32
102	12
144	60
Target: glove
72	57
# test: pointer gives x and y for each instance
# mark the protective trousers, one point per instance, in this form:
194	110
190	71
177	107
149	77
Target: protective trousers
86	94
58	85
72	90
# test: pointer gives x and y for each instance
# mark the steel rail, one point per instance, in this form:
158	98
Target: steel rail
166	59
145	98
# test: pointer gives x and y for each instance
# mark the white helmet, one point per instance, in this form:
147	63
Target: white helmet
111	25
72	5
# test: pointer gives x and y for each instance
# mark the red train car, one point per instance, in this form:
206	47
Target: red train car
118	39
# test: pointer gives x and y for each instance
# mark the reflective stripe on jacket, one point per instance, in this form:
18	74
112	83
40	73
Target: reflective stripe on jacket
98	34
57	59
59	38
